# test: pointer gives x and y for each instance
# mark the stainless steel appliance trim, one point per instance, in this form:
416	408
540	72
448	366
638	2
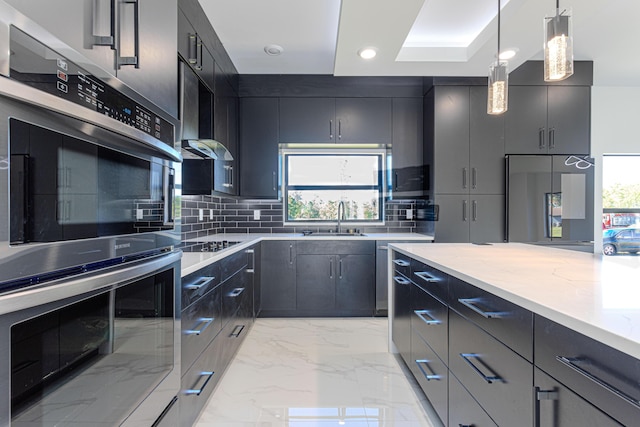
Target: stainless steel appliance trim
83	283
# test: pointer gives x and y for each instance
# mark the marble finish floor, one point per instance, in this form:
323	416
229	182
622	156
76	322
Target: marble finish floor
315	372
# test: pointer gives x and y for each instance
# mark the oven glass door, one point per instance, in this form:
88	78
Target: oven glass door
96	360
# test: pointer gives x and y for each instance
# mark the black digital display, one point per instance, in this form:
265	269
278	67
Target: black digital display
36	65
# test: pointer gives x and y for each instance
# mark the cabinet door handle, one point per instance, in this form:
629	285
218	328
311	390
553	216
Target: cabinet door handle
574	363
471	303
395	186
422	314
290	253
193	50
464	178
331	129
541	143
491	378
474	210
552	138
273	180
103	12
426	276
340	268
432	375
339	129
236	292
401	262
196	391
401	280
131	60
331	268
237	330
474	178
464	211
200	283
203	324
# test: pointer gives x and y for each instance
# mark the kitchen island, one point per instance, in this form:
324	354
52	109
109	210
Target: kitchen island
516	334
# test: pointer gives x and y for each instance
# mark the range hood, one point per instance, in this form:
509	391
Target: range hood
205	149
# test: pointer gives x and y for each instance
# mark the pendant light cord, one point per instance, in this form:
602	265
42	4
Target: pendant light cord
498	55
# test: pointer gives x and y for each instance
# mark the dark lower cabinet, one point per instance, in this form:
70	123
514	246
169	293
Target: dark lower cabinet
278	277
464	411
316	282
431	373
558	406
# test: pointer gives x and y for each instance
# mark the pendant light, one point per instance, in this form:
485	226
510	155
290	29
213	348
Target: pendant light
497	99
558	45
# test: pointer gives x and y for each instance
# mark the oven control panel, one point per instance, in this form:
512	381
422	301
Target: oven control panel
36	65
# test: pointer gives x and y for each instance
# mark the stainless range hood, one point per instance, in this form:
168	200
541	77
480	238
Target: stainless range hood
205	149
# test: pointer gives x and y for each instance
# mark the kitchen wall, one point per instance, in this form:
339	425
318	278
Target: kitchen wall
614	116
230	215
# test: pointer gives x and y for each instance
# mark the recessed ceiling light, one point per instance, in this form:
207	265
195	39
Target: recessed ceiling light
508	53
367	52
273	50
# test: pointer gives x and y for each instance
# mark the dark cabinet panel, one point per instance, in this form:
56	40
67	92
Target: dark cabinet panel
307	120
558	406
278	275
409	177
363	120
431	373
603	376
430	321
463	408
499	379
355	286
401	323
316	282
197	176
548	120
478	218
259	147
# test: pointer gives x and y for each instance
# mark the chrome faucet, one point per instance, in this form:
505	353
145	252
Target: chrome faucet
340	215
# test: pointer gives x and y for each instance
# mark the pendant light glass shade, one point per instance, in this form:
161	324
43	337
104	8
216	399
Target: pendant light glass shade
558	46
498	93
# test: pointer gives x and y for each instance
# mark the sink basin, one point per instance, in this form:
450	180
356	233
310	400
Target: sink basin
326	234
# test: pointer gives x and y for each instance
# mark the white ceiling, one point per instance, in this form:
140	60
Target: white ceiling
420	37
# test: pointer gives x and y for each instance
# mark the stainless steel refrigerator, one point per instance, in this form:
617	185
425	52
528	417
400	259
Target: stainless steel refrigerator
549	198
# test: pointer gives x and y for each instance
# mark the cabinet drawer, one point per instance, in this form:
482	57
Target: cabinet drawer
499	379
556	405
199	382
402	264
195	285
235	292
431	280
509	323
334	247
230	339
430	320
463	409
200	324
606	377
233	263
431	373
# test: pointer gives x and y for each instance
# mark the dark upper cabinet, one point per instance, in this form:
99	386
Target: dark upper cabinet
409	178
136	54
340	120
193	51
548	120
259	147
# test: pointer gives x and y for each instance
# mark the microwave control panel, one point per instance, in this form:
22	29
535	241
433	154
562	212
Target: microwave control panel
36	65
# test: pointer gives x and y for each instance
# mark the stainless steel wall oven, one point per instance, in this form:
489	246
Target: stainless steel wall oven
89	273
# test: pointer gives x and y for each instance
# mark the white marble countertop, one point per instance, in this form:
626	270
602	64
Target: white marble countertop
193	261
593	294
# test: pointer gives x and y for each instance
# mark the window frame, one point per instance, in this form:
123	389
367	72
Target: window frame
381	187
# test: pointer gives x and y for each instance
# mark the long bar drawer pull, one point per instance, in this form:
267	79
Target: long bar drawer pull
471	303
401	262
426	276
429	377
236	292
203	324
422	313
237	331
573	363
200	283
401	280
195	391
490	379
